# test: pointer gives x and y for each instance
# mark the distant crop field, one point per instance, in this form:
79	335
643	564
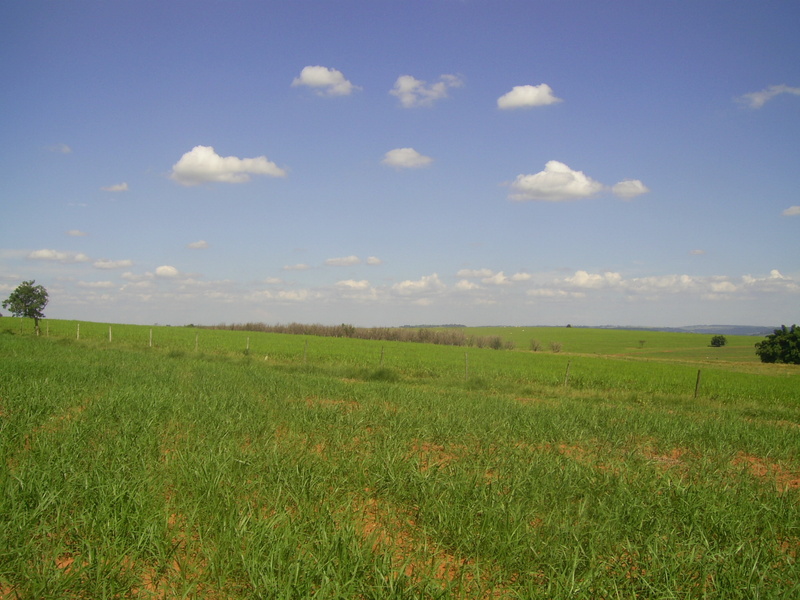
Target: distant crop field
228	464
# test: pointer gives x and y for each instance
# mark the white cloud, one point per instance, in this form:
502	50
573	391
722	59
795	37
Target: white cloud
527	96
96	284
406	158
326	82
119	187
374	261
759	99
792	211
697	252
498	278
273	281
344	261
58	256
629	188
414	92
521	277
198	245
774	283
353	284
112	264
556	183
554	293
583	279
76	233
427	283
466	285
167	272
202	164
297	267
722	287
475	273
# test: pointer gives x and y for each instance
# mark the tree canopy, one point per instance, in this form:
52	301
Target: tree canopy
783	346
28	301
718	341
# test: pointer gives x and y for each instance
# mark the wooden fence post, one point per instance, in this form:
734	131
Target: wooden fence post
78	334
466	366
697	384
566	375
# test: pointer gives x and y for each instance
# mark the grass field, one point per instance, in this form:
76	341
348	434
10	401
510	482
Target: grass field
219	464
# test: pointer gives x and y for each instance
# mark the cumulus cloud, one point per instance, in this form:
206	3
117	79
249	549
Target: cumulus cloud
475	273
629	188
792	211
553	293
527	96
112	264
76	233
202	165
414	92
353	284
555	184
498	278
467	285
760	98
584	279
427	283
297	267
406	158
58	256
118	187
96	284
374	261
198	245
324	81
167	272
343	261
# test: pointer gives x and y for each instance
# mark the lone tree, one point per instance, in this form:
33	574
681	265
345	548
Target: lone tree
28	301
783	346
718	341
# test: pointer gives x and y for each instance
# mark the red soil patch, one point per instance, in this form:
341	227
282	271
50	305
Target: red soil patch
760	468
394	533
432	455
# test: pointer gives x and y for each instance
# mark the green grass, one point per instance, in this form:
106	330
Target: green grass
306	468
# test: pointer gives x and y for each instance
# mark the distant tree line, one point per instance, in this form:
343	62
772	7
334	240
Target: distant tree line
446	337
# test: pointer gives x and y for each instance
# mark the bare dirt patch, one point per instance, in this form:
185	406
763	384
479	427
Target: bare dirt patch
764	470
433	456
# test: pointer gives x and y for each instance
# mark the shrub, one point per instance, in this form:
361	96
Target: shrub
718	341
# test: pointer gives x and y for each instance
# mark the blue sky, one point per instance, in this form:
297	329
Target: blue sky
403	162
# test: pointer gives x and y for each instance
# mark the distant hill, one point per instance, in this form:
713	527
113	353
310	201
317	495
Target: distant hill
755	330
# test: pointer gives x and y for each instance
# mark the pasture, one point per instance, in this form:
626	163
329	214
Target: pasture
228	464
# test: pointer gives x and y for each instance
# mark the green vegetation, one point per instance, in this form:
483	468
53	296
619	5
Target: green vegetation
235	464
718	341
782	346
